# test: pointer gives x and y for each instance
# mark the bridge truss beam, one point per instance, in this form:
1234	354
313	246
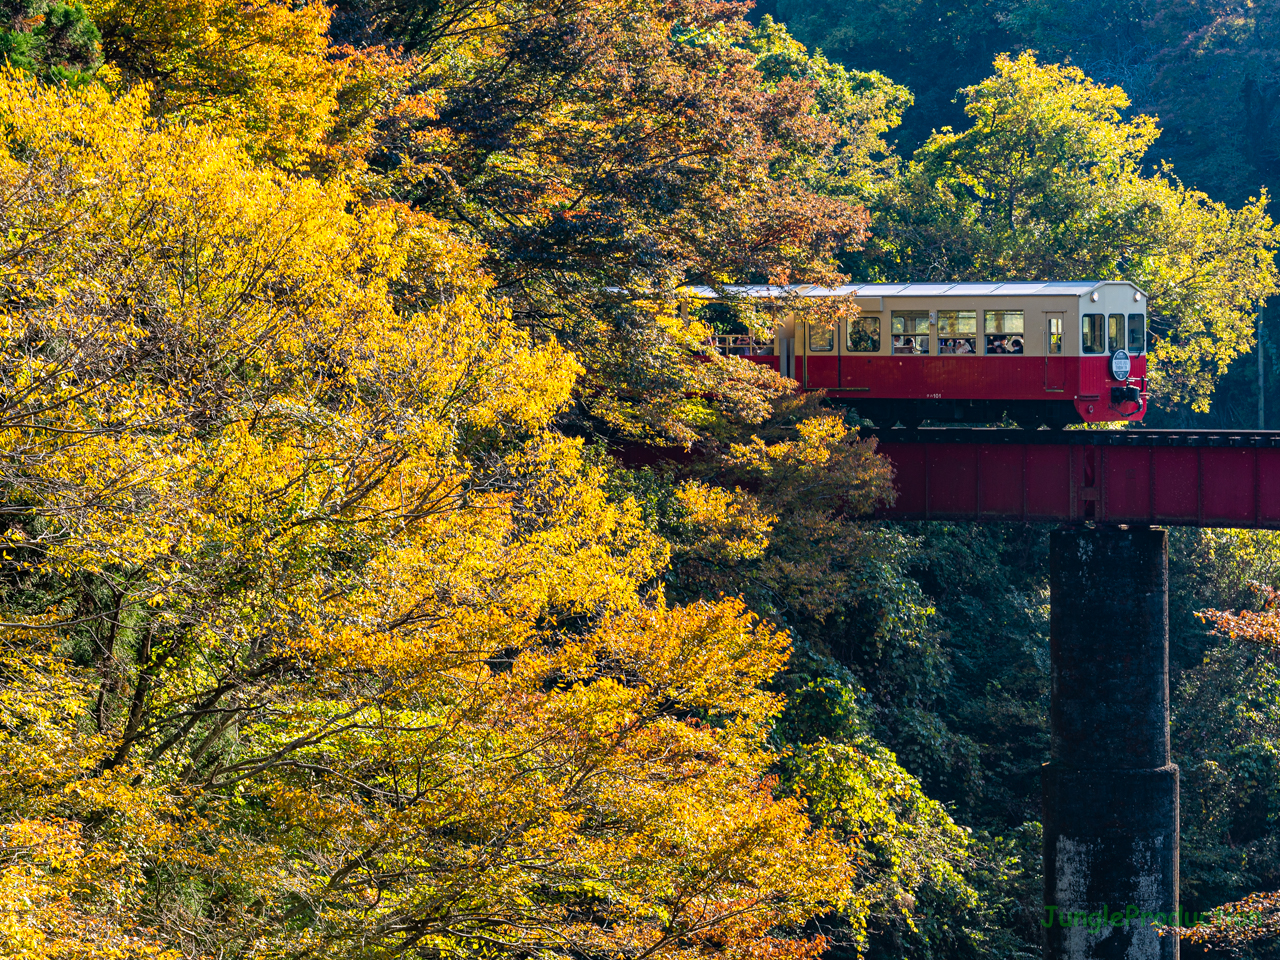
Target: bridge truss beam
1139	477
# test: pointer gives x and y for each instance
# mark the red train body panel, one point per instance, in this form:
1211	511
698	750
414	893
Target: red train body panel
1082	379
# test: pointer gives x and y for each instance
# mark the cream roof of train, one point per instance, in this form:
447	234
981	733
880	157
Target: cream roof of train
1039	289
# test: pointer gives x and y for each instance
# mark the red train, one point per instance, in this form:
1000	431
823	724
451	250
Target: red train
1043	353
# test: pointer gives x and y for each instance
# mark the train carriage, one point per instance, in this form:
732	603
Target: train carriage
1051	353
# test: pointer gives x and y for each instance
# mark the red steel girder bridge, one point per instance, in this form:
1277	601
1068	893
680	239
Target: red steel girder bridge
1110	788
1201	478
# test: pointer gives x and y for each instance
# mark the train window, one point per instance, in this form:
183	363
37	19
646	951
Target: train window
822	338
1055	334
957	331
1115	332
863	335
1137	328
910	329
1004	330
1091	333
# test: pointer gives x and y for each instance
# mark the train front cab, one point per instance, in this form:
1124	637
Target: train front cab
1051	353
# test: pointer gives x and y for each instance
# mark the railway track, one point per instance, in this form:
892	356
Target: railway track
1132	437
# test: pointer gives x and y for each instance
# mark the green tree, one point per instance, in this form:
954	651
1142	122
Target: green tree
1226	731
1048	181
1217	89
860	106
57	42
932	47
1207	69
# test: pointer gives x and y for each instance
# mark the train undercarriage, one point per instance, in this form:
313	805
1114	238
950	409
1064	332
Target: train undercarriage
1028	414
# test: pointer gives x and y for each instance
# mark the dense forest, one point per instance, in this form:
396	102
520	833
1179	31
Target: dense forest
388	571
1208	72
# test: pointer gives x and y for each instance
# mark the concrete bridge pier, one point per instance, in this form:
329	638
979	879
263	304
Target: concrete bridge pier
1110	790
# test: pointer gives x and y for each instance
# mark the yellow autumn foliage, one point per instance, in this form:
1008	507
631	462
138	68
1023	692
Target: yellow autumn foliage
264	72
319	638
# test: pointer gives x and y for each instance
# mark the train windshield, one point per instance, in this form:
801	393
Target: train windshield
1093	332
1117	339
1137	333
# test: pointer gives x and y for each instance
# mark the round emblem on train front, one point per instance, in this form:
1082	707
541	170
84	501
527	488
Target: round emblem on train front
1120	365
